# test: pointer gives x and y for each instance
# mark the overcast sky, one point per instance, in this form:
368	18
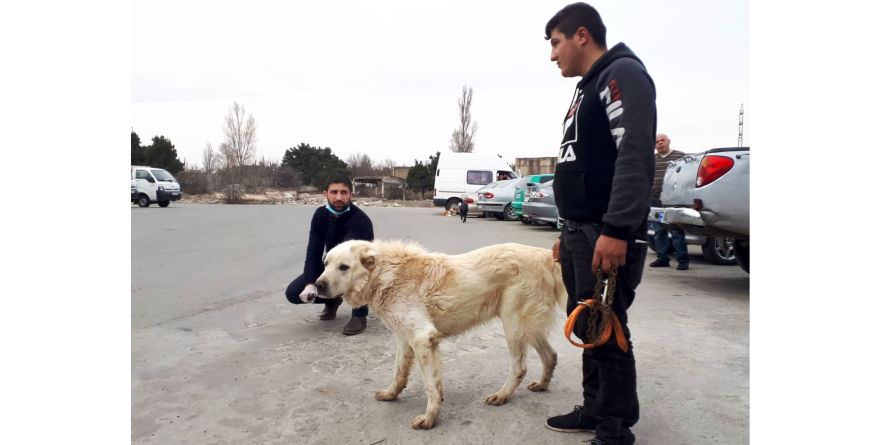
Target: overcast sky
384	77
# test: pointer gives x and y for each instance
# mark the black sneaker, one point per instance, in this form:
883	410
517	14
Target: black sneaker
330	309
573	422
660	263
683	266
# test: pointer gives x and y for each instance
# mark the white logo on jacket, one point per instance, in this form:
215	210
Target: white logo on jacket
611	97
570	130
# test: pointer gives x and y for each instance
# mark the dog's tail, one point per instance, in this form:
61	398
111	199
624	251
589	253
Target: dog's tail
559	287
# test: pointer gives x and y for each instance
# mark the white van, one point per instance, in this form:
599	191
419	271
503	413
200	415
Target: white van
464	173
155	185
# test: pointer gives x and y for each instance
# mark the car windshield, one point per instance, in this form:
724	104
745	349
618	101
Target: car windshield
162	175
487	186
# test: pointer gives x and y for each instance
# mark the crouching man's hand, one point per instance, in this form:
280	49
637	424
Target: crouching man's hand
309	294
555	250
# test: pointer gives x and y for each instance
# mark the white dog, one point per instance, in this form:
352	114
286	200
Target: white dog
425	297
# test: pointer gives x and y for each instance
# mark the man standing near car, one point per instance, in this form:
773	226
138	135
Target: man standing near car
340	220
665	154
603	181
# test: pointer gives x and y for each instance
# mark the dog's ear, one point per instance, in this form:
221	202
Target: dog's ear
368	256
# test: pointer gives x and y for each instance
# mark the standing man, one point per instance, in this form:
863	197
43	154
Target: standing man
665	155
604	178
339	221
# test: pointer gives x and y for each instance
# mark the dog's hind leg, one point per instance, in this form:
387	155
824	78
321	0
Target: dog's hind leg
426	350
517	347
548	361
401	372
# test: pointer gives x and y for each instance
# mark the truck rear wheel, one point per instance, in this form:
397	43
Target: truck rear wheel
719	250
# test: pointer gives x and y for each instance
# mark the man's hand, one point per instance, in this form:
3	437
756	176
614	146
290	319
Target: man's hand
309	294
555	250
609	254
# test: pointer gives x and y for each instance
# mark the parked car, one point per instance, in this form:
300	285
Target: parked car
520	192
496	199
155	185
465	173
540	206
708	194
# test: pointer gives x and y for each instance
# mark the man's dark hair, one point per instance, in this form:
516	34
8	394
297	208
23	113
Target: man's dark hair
339	178
574	16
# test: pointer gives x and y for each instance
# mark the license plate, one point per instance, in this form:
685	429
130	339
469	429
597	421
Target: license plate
174	193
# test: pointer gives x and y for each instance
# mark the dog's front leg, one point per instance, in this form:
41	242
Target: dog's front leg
425	347
401	372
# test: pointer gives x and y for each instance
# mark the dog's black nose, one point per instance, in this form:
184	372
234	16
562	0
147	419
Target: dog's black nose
321	287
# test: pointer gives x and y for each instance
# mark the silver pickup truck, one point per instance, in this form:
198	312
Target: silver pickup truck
708	194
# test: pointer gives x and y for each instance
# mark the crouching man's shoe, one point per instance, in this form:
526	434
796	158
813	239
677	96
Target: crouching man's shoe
330	309
573	422
355	326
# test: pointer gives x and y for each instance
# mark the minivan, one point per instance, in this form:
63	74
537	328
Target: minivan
464	173
155	185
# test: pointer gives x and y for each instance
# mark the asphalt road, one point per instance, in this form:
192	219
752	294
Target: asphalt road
220	356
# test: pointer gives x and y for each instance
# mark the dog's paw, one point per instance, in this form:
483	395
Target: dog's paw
538	386
384	395
423	422
496	399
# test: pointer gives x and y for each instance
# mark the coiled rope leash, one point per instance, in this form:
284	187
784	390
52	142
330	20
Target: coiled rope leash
601	320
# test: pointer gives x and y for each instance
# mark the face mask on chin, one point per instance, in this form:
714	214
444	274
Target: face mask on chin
336	212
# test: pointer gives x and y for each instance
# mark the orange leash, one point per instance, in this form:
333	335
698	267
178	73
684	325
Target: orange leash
600	302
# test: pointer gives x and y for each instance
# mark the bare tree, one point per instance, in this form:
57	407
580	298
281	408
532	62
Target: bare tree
360	164
210	158
387	167
224	157
462	140
240	136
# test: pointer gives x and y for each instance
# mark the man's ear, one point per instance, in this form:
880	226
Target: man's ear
368	257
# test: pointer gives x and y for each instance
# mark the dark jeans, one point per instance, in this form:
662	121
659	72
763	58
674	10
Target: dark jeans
298	285
678	238
609	375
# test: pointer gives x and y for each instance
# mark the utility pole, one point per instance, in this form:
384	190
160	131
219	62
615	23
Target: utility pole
740	124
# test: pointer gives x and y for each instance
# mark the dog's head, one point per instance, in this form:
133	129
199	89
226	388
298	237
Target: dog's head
347	269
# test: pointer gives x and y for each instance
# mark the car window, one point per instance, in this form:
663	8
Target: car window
162	175
479	177
141	174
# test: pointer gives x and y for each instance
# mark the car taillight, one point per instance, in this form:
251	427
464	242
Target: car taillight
469	200
712	168
488	195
